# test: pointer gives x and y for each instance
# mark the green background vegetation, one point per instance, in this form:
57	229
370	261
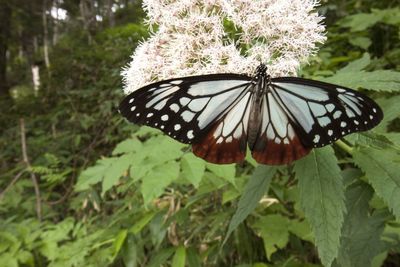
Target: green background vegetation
82	187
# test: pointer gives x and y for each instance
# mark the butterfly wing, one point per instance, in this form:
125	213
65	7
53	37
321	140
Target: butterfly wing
189	109
277	141
323	112
226	142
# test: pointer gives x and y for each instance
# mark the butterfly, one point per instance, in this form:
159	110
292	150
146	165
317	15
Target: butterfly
279	119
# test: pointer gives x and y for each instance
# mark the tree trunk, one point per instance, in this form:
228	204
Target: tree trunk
110	13
88	14
5	19
45	35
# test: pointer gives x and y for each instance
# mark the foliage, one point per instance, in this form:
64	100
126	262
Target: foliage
114	194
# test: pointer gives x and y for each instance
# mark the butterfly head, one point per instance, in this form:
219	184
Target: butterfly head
261	71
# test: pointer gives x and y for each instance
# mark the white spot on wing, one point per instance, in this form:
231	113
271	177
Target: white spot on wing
131	100
337	114
330	132
316	138
164	117
190	134
187	116
176	82
149	115
343	124
133	108
330	107
317	109
174	107
177	127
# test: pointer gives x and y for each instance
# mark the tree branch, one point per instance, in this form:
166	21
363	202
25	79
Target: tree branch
29	167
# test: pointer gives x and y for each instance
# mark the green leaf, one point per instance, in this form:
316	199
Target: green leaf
373	140
226	172
322	198
144	220
119	241
255	189
128	146
274	232
302	230
391	111
193	168
91	175
161	257
117	167
179	258
379	80
360	22
357	65
382	169
361	233
154	183
361	41
193	258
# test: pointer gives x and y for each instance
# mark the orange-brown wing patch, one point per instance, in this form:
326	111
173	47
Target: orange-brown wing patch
217	149
279	151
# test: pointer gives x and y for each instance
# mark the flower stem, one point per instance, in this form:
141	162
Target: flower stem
344	146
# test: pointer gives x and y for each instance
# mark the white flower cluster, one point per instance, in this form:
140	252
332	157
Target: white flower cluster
224	36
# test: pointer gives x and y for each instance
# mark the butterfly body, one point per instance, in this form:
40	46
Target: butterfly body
279	119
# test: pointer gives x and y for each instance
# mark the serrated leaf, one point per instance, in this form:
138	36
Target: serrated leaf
379	80
357	65
179	258
382	169
92	175
391	111
373	140
255	189
301	229
193	169
161	149
227	171
154	183
360	22
322	198
117	167
128	146
361	233
274	230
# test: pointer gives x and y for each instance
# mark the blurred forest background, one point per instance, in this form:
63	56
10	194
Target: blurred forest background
79	186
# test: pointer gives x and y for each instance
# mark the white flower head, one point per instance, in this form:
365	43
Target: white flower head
224	36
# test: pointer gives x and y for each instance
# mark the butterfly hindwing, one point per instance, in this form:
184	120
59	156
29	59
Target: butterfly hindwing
277	141
226	141
185	108
321	112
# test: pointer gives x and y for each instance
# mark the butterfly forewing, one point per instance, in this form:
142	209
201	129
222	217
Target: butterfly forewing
321	113
185	108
